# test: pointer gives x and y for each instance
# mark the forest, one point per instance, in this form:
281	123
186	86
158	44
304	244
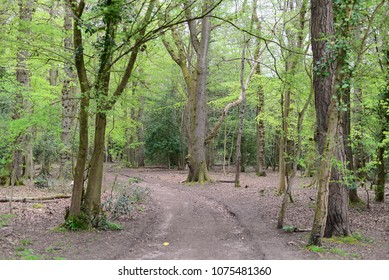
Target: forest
125	114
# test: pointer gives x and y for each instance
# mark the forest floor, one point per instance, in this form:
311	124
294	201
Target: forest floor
181	221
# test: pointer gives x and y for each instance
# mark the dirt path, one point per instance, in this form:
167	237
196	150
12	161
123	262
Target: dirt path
200	223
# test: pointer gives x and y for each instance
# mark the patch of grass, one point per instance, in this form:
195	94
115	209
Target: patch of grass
5	219
358	236
355	238
38	206
28	254
134	180
59	258
316	249
339	252
25	242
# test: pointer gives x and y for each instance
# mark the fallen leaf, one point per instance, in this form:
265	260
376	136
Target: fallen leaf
166	244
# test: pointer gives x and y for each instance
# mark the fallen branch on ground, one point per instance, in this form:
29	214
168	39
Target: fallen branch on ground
31	199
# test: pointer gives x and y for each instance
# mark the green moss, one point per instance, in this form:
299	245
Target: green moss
38	206
316	249
355	238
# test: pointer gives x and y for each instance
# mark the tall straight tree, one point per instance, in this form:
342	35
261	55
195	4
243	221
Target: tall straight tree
195	79
331	215
22	156
67	98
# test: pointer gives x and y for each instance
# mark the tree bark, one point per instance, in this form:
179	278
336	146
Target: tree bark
384	115
67	99
260	136
327	79
22	76
79	170
196	158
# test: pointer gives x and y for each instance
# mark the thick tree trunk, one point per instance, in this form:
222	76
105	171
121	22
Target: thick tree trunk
323	178
326	82
337	219
196	158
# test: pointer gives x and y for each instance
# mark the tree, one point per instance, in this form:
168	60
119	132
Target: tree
67	98
195	79
331	214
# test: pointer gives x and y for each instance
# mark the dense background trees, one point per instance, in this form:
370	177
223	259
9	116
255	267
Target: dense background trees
162	83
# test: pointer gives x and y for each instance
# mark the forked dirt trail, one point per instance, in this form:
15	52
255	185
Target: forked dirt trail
212	221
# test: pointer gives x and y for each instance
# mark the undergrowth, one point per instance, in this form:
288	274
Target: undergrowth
352	240
5	219
125	201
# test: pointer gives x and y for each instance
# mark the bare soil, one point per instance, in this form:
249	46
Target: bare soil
180	221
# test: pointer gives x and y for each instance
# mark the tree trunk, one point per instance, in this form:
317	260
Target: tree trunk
327	79
381	176
384	115
141	150
239	141
323	178
79	170
196	158
22	76
68	104
260	155
337	219
95	172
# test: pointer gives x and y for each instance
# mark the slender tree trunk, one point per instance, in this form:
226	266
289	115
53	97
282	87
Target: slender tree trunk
22	143
79	170
68	104
140	150
260	155
239	141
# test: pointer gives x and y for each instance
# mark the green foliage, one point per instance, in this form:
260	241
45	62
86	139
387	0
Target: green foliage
79	222
41	181
162	139
289	228
28	254
25	253
5	219
315	249
125	201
